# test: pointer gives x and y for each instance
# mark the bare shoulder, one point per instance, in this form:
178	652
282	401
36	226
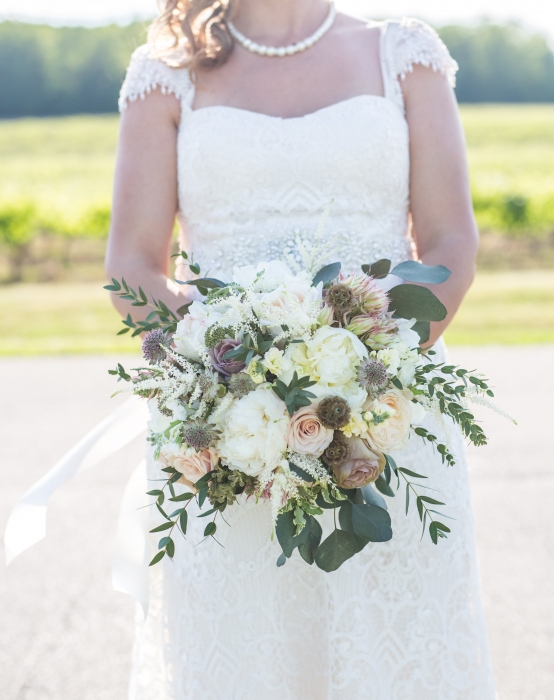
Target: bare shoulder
153	109
357	36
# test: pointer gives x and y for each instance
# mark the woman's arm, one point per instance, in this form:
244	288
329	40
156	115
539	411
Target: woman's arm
145	202
442	214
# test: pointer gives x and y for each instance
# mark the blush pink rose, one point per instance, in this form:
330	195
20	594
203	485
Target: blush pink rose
193	465
306	434
362	467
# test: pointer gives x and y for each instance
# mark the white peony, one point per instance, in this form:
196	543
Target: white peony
294	303
158	423
274	273
406	334
331	359
254	432
189	336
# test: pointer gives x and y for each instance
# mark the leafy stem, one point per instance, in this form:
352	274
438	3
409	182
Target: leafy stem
166	319
436	528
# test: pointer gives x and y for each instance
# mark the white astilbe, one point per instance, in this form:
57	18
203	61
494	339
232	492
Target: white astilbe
223	406
311	465
475	395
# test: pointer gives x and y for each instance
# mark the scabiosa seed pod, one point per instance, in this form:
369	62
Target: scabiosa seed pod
152	346
241	384
198	434
372	375
340	298
336	454
333	412
215	334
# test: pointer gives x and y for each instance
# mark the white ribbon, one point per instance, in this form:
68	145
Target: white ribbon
27	522
132	550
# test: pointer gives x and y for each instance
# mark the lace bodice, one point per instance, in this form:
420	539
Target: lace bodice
250	183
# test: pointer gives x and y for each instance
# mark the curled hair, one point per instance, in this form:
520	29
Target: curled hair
193	34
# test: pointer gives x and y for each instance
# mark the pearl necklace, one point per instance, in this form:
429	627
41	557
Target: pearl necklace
285	50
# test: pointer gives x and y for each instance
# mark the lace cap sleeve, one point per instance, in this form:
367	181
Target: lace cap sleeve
146	73
409	42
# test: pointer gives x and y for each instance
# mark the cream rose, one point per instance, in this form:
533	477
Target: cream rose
362	467
306	434
393	432
192	464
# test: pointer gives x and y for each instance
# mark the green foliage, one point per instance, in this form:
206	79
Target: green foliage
17	228
501	63
295	395
65	70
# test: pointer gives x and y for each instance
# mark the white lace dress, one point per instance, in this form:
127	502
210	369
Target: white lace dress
403	619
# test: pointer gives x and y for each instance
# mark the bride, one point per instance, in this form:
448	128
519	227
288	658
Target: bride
245	119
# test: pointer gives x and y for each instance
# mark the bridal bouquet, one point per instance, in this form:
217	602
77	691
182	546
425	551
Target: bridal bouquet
294	388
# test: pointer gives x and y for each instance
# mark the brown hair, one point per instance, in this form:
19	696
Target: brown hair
193	34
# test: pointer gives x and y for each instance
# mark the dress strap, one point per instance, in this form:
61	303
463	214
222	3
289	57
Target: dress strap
406	43
146	73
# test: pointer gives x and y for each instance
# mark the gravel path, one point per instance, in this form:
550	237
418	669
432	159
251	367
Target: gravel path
66	635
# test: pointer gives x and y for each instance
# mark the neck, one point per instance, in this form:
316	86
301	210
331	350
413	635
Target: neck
279	22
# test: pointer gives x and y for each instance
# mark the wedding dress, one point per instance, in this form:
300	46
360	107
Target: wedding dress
403	619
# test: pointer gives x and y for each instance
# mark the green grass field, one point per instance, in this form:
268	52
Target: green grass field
501	308
66	164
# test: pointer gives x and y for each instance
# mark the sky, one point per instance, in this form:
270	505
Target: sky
537	14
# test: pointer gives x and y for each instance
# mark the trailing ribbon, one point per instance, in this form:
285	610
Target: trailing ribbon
27	522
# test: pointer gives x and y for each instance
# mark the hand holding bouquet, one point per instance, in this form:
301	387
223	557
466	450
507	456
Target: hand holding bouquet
295	388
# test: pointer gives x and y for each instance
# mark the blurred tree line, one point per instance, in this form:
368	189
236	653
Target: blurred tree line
47	71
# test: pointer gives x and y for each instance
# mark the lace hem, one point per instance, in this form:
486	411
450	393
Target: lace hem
146	73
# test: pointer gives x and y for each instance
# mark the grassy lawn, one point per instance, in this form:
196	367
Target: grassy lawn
501	308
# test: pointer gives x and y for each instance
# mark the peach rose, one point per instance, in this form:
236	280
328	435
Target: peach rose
306	434
392	433
193	465
362	467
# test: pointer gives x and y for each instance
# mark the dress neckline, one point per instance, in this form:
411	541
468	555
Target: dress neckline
263	115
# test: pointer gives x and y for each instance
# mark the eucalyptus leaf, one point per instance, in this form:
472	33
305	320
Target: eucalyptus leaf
159	556
308	547
346	522
335	550
210	529
384	488
423	329
205	282
411	301
371	522
372	498
282	560
413	271
326	274
378	269
285	531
